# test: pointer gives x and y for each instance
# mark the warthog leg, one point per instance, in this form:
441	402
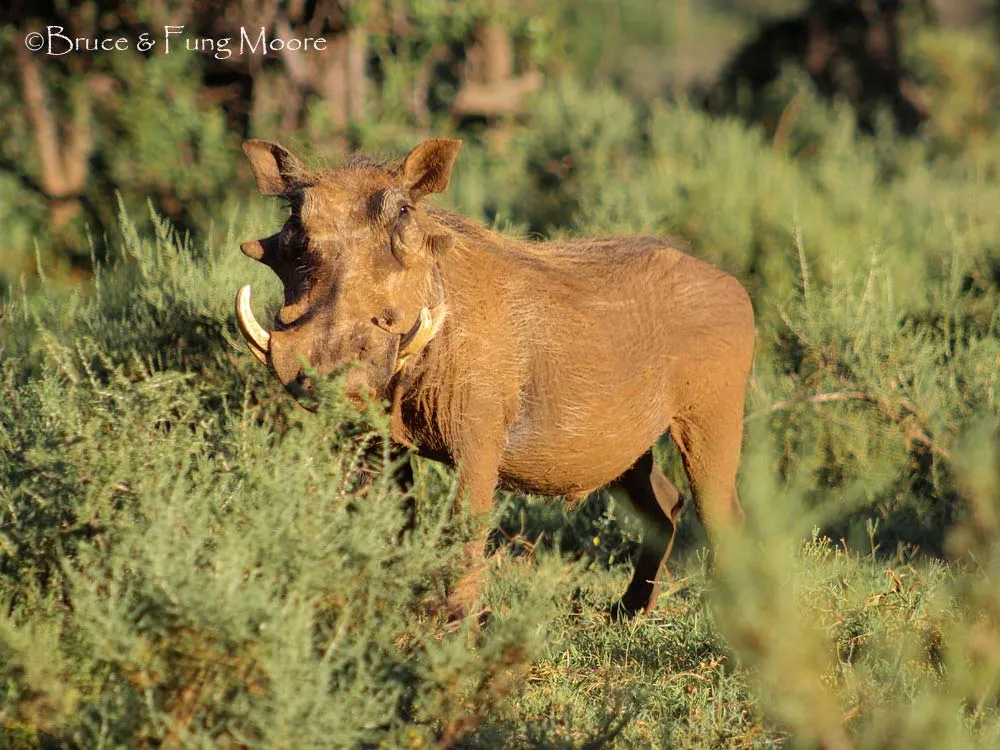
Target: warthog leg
402	477
477	481
658	504
709	441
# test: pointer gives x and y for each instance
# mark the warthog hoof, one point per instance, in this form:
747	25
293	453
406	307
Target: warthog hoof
623	610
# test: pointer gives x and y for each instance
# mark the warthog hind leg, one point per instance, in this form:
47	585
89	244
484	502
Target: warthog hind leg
658	504
709	441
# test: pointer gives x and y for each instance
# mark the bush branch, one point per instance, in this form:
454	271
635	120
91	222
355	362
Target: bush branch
914	431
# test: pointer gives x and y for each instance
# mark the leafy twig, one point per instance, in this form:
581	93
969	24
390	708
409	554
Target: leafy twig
914	432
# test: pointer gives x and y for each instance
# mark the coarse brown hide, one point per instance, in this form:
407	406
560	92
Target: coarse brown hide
546	367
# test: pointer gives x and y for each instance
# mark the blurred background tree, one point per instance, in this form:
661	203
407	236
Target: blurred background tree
79	127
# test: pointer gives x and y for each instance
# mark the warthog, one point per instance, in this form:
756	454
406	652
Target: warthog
547	367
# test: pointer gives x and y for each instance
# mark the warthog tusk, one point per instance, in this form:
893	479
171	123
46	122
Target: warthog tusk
415	339
258	340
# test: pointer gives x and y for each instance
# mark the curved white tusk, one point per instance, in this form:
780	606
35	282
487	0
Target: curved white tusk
416	338
258	340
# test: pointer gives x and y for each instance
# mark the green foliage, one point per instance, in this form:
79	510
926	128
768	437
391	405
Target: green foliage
961	77
196	553
188	559
580	138
159	113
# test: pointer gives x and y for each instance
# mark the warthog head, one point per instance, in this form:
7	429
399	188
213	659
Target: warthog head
358	260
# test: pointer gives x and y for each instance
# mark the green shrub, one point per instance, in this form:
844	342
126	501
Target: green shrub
188	559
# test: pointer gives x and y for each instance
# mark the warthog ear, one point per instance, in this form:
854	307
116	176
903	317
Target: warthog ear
427	168
274	167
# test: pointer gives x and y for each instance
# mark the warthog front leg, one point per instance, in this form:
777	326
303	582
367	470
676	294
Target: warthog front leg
478	474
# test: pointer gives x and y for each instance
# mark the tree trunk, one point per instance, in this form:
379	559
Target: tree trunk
489	87
64	153
356	74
